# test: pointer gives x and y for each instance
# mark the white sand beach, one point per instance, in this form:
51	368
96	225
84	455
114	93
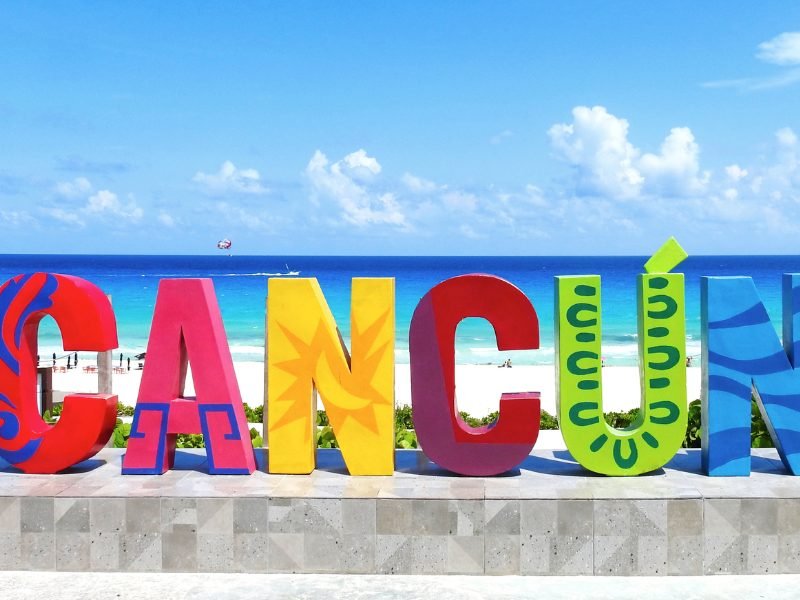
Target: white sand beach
478	387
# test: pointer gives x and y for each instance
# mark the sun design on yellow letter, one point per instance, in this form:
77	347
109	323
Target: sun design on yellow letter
305	350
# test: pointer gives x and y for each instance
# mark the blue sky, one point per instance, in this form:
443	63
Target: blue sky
400	128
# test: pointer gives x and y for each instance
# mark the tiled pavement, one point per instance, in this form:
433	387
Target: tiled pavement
549	517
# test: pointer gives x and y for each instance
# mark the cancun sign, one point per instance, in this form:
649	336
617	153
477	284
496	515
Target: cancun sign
741	353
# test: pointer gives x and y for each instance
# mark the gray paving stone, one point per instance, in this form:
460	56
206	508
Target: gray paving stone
38	551
107	515
502	517
359	516
104	550
534	522
789	553
142	515
762	554
572	555
178	515
429	554
286	552
140	551
72	551
72	515
10	551
501	554
215	552
179	551
251	515
9	515
357	554
429	517
215	516
393	517
465	555
37	515
575	518
685	555
250	552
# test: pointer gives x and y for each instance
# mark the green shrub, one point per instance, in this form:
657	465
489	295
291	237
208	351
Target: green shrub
759	435
254	415
405	439
123	410
479	422
255	438
692	439
122	431
190	440
405	436
547	421
403	418
622	420
326	438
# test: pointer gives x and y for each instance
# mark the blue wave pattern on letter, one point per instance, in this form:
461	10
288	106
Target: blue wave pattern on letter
742	352
13	320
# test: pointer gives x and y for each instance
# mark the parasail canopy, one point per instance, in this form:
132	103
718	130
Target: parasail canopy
224	244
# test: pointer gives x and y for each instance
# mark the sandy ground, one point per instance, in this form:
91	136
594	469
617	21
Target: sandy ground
478	387
35	585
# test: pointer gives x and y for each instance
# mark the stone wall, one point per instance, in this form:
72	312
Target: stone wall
559	520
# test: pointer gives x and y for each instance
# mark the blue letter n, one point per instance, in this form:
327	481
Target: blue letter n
742	352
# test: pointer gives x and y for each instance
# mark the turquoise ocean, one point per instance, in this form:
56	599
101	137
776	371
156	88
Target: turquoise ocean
241	282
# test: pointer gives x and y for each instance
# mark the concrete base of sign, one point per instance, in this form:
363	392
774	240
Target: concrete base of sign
547	517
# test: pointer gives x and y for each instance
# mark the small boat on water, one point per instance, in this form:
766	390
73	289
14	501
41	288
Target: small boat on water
289	273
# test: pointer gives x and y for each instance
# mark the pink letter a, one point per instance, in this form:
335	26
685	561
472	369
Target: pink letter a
187	324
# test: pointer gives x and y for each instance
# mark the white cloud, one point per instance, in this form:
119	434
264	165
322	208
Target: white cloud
501	137
349	183
106	202
418	185
102	203
16	217
359	165
607	164
676	170
469	232
70	218
78	187
535	196
786	137
166	219
596	144
230	180
460	201
735	172
783	49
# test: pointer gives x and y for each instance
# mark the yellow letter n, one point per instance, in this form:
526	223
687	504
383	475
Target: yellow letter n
306	353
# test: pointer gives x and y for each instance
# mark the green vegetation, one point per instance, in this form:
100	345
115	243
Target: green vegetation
254	415
406	438
692	439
